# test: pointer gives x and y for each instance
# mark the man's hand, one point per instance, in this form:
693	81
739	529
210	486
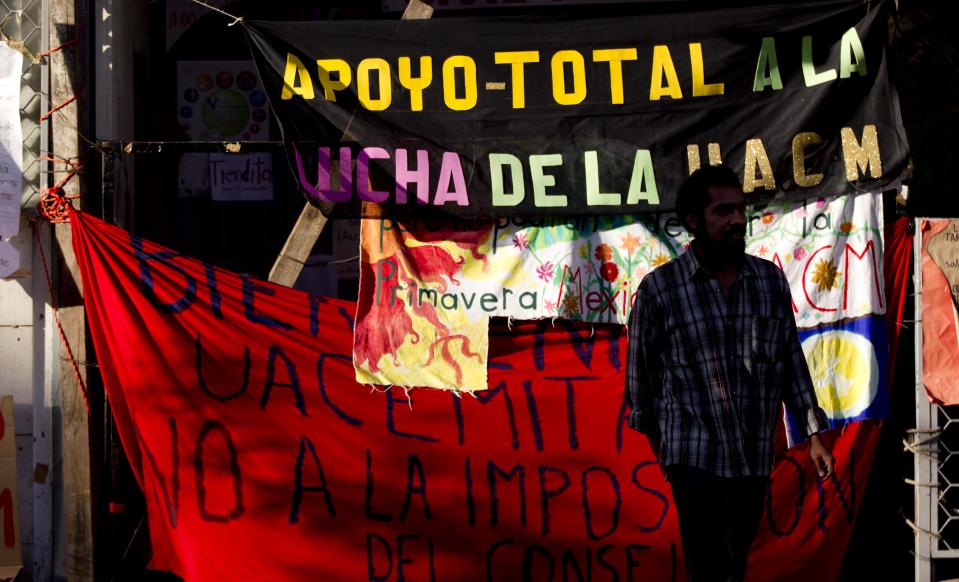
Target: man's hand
822	459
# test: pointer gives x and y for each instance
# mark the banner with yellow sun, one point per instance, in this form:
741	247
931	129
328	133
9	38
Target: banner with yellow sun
848	362
428	289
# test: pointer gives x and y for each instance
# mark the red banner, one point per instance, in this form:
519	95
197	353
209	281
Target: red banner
261	457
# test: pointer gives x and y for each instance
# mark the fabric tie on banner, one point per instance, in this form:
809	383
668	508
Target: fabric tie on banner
261	457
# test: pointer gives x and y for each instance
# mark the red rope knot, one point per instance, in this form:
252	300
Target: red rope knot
54	206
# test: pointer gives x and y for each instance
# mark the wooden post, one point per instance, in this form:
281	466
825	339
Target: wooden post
306	231
67	76
310	224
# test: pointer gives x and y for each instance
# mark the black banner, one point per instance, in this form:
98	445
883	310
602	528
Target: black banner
517	117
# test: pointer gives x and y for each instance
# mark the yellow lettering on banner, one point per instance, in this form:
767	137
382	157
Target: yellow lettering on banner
861	156
517	61
804	180
296	79
558	66
384	84
663	66
700	88
343	76
715	156
416	85
468	65
692	158
615	58
756	158
692	155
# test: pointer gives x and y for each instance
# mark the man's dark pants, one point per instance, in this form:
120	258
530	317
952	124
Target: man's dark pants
718	519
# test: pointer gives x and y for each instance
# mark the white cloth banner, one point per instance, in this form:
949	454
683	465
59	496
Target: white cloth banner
423	284
589	270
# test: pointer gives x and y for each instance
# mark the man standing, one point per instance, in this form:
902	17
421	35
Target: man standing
713	353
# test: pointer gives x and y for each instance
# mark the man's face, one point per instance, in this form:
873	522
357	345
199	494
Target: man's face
722	225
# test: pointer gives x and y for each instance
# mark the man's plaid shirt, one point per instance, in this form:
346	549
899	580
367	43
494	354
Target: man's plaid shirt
708	374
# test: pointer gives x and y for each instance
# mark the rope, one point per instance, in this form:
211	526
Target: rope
919	530
54	205
57	160
236	19
48	114
915	483
914	447
56	318
49	52
18	46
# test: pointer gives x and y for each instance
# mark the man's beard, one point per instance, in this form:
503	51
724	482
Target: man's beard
734	246
729	246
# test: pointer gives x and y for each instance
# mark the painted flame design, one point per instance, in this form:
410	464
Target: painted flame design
411	258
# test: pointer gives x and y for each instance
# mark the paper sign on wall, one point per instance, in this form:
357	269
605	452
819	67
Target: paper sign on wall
182	14
944	251
940	318
10	559
241	177
346	245
11	141
9	259
221	100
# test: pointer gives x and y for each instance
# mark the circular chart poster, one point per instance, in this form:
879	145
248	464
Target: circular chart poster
219	100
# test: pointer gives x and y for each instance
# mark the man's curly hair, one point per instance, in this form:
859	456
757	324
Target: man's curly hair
693	195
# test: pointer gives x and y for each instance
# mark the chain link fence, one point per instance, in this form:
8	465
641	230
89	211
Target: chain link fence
22	27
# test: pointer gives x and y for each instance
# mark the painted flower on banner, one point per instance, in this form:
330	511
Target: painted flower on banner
660	260
847	228
583	253
550	306
545	271
826	275
520	241
630	243
603	253
571	304
799	253
609	271
768	217
763	251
